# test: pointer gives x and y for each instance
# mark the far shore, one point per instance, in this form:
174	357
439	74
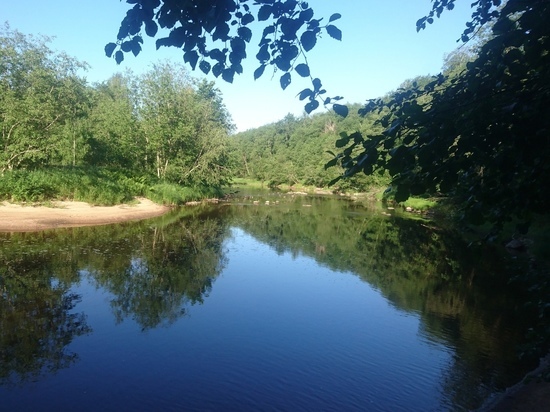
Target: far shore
28	218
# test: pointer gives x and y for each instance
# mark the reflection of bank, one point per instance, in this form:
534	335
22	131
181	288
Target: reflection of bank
37	324
153	269
456	289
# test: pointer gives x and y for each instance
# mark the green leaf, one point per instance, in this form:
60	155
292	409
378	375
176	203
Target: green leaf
335	16
308	40
285	80
334	32
109	49
302	69
341	109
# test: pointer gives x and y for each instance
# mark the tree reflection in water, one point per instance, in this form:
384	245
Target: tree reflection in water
156	269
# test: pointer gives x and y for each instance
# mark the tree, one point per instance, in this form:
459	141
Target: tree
214	35
184	128
116	139
480	135
39	93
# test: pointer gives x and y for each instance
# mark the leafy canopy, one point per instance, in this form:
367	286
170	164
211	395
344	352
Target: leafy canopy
214	36
479	135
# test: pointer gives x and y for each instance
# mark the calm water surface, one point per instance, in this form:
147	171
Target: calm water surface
305	304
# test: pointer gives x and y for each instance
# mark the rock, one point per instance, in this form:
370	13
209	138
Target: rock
515	244
409	209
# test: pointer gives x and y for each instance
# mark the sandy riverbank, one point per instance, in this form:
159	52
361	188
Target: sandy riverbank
19	218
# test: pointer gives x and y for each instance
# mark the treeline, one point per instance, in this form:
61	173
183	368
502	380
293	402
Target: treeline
295	150
161	126
301	150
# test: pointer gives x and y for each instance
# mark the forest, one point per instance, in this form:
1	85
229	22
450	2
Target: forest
162	134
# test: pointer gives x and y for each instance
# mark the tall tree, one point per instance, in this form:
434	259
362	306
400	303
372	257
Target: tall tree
182	127
115	136
39	93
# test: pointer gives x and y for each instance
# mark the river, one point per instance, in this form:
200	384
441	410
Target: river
269	302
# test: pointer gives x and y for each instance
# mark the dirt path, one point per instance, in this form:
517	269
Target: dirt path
18	218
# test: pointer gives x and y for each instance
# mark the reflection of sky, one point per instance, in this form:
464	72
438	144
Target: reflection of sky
276	332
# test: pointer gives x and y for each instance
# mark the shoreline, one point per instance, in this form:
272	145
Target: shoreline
23	218
531	394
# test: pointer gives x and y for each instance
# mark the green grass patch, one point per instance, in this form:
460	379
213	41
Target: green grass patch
97	186
421	204
248	183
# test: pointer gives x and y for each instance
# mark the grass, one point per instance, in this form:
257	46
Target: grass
97	186
418	203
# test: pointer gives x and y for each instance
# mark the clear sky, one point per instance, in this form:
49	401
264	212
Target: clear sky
380	49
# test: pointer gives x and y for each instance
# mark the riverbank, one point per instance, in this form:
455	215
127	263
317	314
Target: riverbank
531	394
23	218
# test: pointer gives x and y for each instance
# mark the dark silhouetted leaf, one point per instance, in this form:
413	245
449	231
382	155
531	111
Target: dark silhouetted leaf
264	12
263	55
151	28
308	40
305	93
341	109
317	84
302	69
335	16
285	80
311	106
259	71
109	49
119	57
334	32
136	47
228	75
306	15
191	57
247	18
331	163
126	46
334	181
217	69
245	33
204	66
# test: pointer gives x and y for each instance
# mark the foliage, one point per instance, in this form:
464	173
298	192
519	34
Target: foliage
163	123
479	135
215	35
294	151
40	93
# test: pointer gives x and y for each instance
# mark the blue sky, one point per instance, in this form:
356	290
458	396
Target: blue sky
379	50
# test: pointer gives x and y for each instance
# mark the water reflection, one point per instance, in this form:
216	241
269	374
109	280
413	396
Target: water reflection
155	271
37	322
